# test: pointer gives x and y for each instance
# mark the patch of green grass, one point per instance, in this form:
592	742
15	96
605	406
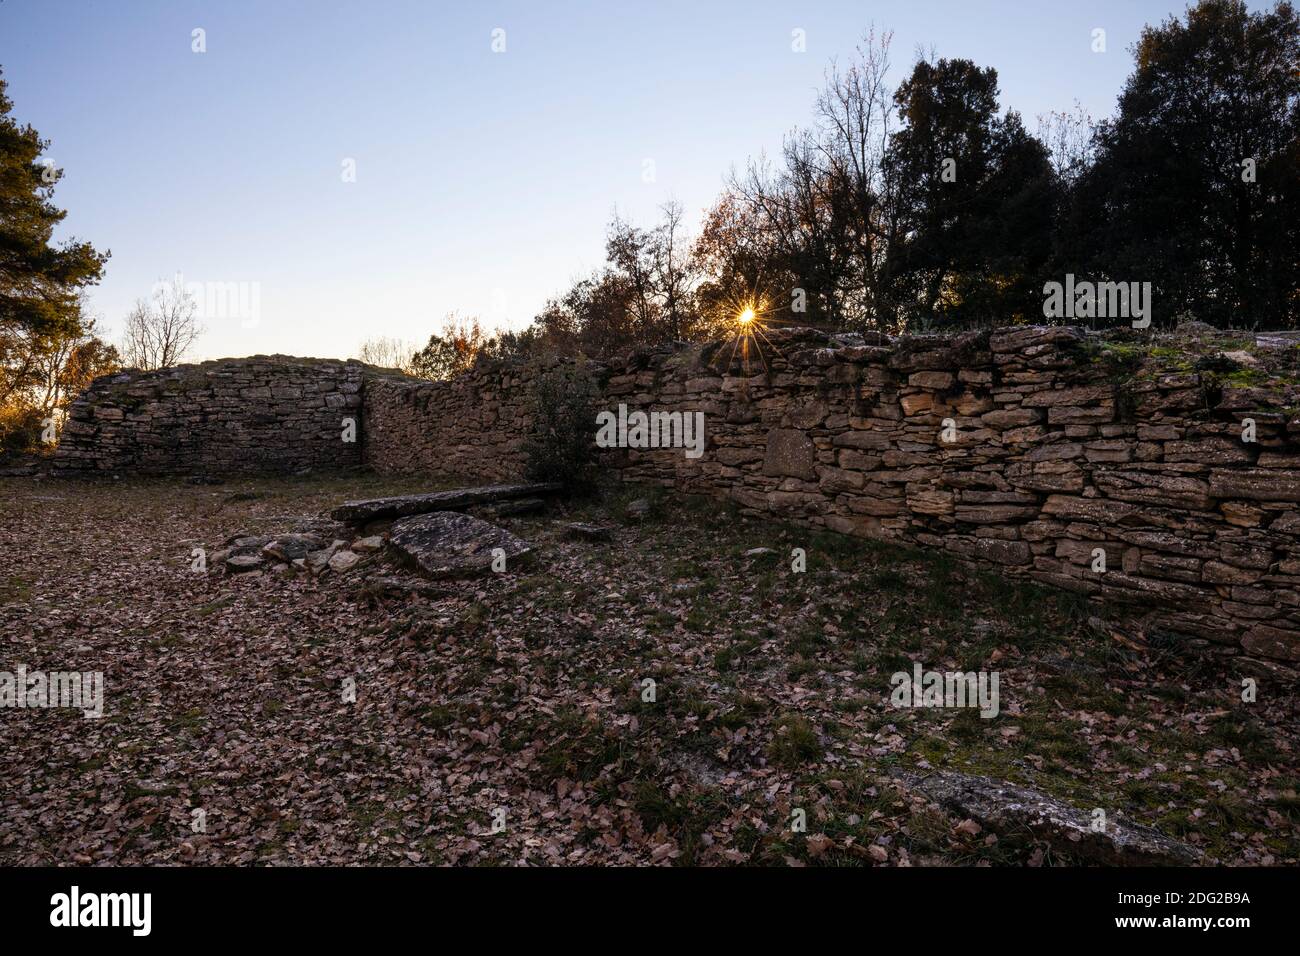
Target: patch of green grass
134	791
795	743
1287	803
191	720
1245	733
809	640
1055	738
14	589
687	816
842	550
890	579
732	656
575	747
745	711
436	716
212	607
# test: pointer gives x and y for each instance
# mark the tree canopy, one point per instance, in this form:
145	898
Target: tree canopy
42	319
927	205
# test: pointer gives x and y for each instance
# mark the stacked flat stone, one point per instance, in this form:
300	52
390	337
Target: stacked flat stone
1055	455
262	415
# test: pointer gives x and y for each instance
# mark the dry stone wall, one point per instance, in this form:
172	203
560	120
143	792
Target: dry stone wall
261	415
1065	447
1041	452
471	427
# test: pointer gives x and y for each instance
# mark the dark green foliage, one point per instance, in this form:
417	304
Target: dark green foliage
45	341
562	446
857	216
975	198
38	282
1166	201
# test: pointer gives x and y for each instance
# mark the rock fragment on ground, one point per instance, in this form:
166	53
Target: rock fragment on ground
589	532
1009	809
287	547
343	560
403	586
318	561
291	551
242	540
448	544
359	512
510	509
243	563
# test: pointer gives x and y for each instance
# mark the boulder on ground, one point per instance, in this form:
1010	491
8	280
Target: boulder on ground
359	512
447	544
318	561
240	546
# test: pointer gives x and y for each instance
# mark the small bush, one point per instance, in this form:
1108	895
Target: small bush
563	444
20	429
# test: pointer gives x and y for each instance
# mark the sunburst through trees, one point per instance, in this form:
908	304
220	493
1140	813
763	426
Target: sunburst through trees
747	326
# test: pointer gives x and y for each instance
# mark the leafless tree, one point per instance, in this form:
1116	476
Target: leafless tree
657	271
69	362
829	208
161	330
1068	136
674	272
387	352
629	251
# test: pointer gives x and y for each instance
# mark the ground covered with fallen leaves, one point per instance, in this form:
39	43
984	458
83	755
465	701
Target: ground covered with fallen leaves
525	692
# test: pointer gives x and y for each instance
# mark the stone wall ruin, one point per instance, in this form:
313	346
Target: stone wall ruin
1066	445
262	415
1180	464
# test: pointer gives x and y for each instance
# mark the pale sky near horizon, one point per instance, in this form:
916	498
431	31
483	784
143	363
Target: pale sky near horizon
484	180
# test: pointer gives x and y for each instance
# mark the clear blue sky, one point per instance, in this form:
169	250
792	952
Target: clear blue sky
483	180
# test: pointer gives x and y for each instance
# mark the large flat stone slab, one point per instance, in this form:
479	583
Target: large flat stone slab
359	512
448	544
1006	808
